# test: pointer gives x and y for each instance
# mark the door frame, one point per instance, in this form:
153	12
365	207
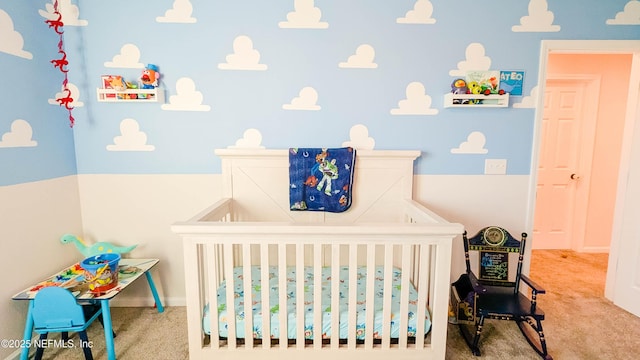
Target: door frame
631	118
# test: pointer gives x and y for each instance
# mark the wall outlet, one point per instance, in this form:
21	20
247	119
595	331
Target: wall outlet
495	166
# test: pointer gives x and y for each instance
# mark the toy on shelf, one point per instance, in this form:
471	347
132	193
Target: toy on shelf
459	86
150	76
487	81
477	88
97	248
116	89
115	82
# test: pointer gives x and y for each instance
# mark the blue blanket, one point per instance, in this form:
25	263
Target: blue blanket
321	179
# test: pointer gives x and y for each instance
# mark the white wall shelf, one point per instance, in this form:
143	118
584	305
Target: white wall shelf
493	100
130	95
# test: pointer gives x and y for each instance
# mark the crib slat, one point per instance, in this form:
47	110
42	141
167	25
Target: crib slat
300	296
231	307
248	295
335	296
353	295
387	289
415	266
317	296
422	295
370	296
404	296
282	296
214	333
265	291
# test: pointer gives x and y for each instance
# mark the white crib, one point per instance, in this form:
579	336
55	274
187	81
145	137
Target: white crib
252	232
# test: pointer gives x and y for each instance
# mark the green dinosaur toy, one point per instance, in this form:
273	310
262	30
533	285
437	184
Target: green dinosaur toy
97	248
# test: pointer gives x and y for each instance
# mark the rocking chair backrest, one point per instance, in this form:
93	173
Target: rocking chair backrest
497	257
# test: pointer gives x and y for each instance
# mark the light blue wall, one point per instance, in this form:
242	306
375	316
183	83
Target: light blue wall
295	58
29	81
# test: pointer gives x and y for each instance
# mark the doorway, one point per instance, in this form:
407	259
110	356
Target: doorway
623	253
582	127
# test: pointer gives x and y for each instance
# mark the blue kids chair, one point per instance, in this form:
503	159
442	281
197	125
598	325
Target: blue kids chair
55	309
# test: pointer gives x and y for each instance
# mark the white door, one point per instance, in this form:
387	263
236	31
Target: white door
567	138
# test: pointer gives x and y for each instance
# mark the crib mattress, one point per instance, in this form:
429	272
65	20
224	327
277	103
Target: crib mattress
309	305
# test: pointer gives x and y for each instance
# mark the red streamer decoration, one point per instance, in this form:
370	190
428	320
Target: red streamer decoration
61	64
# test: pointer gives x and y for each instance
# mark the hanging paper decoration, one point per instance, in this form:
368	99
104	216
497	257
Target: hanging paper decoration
61	64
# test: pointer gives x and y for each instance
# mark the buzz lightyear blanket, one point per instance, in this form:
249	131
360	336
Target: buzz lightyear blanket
321	179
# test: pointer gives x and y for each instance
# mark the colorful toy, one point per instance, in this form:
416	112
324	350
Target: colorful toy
97	248
101	271
116	82
150	77
475	88
459	86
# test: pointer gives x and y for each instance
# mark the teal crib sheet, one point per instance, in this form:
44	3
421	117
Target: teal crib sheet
325	306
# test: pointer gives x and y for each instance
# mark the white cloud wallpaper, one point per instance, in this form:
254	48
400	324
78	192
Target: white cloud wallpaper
539	19
420	14
12	41
305	16
180	12
127	57
20	135
288	72
130	138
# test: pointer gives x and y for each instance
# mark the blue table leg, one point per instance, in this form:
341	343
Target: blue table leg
108	329
28	332
154	291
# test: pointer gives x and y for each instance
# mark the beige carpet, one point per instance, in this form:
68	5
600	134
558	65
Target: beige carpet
581	324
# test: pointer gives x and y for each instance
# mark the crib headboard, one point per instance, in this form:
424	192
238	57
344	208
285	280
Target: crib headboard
258	182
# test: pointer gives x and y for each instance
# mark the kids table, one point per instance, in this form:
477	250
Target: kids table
129	270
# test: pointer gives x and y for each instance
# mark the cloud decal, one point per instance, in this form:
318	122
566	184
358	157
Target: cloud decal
12	41
540	19
187	98
244	56
363	58
19	135
359	138
131	138
416	103
474	144
69	12
421	14
129	57
629	16
251	139
306	100
305	16
528	102
180	13
475	60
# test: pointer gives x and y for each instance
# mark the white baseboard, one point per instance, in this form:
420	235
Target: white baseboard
595	249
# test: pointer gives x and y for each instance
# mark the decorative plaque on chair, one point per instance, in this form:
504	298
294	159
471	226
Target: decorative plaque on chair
494	265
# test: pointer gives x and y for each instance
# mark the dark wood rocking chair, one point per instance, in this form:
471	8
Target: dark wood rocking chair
491	289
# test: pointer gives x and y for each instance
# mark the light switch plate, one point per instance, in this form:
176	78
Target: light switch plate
495	166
